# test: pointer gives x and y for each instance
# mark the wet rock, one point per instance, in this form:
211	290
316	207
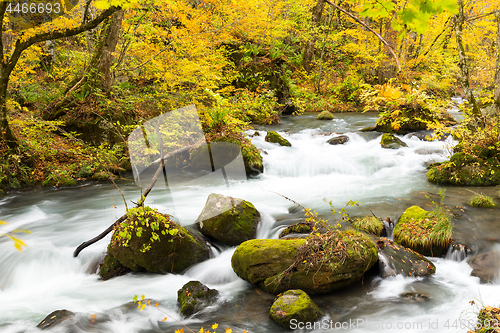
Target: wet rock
111	268
318	264
428	233
369	129
151	241
293	307
416	297
325	115
55	318
338	140
395	259
301	228
228	220
485	266
195	296
389	141
274	137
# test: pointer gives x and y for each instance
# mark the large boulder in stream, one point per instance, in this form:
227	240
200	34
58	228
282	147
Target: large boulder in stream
338	140
274	137
195	296
317	264
395	259
325	115
428	233
389	141
151	241
293	307
228	220
111	268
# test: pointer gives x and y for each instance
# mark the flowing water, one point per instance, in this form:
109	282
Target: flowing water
45	276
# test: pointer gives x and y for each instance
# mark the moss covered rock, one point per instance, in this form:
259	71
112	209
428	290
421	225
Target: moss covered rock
274	137
428	233
325	115
194	296
317	264
228	220
369	224
151	241
298	228
251	154
481	167
293	307
390	141
111	267
395	259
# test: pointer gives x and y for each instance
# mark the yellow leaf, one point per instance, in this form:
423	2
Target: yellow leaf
143	307
156	304
228	330
2	222
179	331
165	319
214	326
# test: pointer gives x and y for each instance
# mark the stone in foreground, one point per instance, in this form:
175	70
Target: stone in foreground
195	296
318	264
228	220
294	307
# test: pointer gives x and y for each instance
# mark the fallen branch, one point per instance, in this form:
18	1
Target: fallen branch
120	220
139	203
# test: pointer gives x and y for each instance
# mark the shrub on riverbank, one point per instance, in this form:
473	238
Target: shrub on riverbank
476	159
405	110
428	233
481	200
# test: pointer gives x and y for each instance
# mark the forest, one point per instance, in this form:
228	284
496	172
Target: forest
79	79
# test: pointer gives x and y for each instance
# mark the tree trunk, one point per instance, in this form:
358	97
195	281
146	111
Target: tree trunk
102	59
6	132
309	50
497	69
462	64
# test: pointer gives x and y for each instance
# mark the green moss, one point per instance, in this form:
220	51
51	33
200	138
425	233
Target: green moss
294	305
325	115
298	228
274	137
389	141
194	296
228	220
481	200
318	264
152	242
252	157
369	224
428	233
111	267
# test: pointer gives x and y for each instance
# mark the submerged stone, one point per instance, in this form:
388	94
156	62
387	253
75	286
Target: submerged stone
274	137
395	259
294	307
228	220
194	296
338	140
485	266
55	318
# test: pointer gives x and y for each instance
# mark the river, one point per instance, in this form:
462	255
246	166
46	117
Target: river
45	277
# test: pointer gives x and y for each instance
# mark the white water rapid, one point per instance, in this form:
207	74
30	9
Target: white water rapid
45	277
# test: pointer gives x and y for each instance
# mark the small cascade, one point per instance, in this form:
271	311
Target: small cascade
385	267
457	252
